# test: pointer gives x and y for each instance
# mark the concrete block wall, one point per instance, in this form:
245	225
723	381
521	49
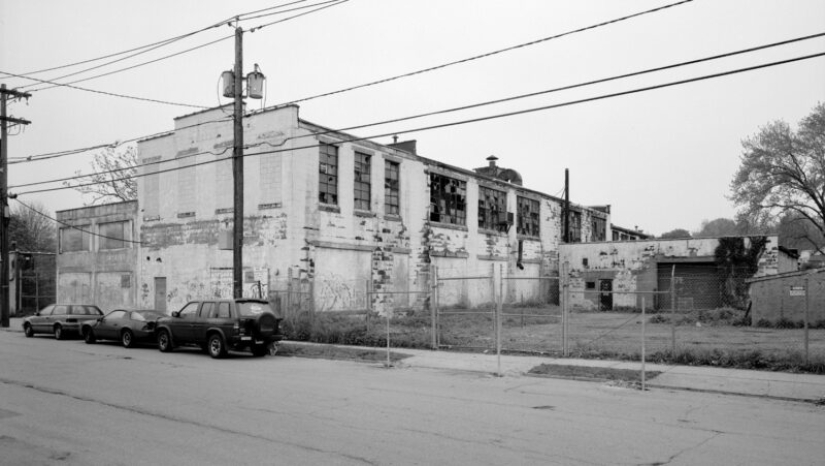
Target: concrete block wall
788	296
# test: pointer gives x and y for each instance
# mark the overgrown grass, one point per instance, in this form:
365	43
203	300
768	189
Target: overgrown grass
712	317
593	336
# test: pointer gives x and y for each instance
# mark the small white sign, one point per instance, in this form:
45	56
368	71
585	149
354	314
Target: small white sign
797	291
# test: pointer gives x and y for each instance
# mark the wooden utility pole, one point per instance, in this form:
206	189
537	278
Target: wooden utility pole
566	219
237	170
5	296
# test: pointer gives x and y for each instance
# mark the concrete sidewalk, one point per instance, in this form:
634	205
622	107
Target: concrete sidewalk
777	385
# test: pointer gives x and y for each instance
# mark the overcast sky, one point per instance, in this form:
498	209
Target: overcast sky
663	159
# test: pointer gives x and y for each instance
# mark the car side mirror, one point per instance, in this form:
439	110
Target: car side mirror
37	313
176	314
100	319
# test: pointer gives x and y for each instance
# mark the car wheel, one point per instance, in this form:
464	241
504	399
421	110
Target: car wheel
259	350
58	332
216	347
127	338
28	331
89	336
164	341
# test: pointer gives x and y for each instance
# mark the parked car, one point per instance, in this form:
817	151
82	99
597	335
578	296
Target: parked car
60	319
126	326
221	324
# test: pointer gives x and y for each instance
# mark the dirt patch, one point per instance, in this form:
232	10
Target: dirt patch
594	373
337	353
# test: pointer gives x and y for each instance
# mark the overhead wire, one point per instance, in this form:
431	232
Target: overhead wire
112	94
330	5
506	114
492	53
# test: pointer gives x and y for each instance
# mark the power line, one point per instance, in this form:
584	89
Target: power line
137	65
495	52
74	227
51	155
331	4
153	44
287	11
495	116
113	94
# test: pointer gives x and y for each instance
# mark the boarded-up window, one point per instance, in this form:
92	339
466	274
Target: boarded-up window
598	229
75	239
448	200
115	235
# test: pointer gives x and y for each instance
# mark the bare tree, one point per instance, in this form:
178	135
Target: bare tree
783	172
113	174
31	228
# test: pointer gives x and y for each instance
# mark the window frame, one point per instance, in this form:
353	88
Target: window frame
488	215
85	238
104	239
328	163
528	213
362	190
392	188
448	200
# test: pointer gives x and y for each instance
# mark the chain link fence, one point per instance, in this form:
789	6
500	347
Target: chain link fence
717	319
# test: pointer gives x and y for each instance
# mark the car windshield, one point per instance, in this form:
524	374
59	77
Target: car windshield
250	309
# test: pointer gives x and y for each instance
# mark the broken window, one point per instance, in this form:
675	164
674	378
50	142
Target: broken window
392	205
75	239
448	200
575	227
492	205
328	174
528	217
114	235
598	229
362	181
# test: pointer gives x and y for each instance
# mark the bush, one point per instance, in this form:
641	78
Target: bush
764	323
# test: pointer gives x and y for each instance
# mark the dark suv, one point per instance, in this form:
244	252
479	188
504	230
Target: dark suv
217	325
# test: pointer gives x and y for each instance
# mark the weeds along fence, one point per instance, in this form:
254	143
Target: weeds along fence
677	317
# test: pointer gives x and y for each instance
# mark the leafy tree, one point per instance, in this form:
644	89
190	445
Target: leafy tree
31	229
798	232
717	228
679	233
112	179
782	172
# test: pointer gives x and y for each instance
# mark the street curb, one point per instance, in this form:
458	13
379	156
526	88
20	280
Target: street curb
723	392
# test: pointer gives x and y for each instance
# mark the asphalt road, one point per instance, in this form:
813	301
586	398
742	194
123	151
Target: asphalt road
65	402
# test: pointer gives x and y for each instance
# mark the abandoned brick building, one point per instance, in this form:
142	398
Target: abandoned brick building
346	214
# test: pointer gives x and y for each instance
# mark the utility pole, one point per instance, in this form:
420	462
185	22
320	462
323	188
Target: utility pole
237	170
566	219
5	296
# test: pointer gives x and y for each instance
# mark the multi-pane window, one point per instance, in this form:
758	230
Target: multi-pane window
362	181
492	205
328	174
114	235
448	200
391	188
528	217
575	227
75	239
598	229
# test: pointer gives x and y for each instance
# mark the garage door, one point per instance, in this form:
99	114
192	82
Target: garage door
697	285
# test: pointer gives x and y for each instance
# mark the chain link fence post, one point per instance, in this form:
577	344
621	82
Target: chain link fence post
673	310
498	298
643	343
807	308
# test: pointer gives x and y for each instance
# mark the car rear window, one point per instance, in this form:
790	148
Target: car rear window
251	309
